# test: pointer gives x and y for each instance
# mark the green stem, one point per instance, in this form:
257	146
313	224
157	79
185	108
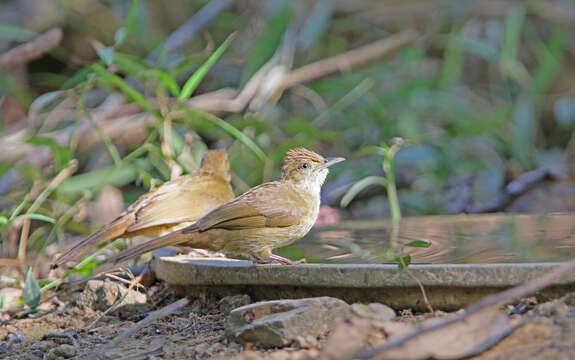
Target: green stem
391	188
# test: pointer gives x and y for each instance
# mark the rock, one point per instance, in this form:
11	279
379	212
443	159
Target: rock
101	294
59	338
373	311
280	322
66	351
228	303
43	345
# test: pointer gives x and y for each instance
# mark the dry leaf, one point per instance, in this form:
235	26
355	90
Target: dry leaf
464	338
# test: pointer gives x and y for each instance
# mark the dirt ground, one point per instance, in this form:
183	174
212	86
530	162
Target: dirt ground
67	328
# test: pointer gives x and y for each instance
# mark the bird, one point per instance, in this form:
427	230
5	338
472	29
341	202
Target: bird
169	207
268	216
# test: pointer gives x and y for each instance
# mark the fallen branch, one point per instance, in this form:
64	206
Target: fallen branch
153	316
32	49
350	59
490	301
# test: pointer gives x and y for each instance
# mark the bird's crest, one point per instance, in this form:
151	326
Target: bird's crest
300	154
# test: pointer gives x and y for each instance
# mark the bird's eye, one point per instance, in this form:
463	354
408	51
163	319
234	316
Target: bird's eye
304	165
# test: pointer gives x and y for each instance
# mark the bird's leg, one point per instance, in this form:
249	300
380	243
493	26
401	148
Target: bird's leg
263	257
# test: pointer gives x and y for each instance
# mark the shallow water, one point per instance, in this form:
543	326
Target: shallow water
460	239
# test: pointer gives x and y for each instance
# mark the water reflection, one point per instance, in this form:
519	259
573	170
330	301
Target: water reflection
461	239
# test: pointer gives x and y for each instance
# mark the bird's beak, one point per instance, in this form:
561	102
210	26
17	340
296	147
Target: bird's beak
329	162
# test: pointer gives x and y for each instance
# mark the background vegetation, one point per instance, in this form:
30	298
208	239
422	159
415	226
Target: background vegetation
481	93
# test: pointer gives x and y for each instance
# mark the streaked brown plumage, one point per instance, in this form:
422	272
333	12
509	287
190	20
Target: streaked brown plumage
172	206
267	216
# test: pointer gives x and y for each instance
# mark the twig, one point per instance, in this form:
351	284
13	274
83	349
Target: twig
349	60
421	288
158	314
32	49
493	300
57	180
117	302
146	354
23	244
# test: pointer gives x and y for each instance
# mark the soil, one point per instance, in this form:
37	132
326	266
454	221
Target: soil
64	328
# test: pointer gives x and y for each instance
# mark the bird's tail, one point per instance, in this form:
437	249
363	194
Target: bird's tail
109	232
172	239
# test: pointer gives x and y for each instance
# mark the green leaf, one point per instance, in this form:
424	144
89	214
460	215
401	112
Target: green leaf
131	65
129	91
549	54
419	244
78	78
107	54
197	77
402	262
132	19
120	36
511	43
4	221
243	138
32	291
167	79
359	186
17	211
452	64
38	217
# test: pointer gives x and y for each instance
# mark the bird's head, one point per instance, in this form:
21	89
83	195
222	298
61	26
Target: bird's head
303	166
216	163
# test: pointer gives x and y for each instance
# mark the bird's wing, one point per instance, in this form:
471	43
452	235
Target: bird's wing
185	199
267	205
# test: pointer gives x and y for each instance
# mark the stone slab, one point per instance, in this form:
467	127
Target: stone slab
448	286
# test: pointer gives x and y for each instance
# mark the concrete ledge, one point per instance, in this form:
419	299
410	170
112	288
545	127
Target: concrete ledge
448	286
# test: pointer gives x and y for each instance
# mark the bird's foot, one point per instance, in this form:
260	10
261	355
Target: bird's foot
273	258
286	261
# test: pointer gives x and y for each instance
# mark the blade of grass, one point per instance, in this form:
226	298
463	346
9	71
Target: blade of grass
511	43
131	21
38	217
452	64
197	77
167	79
129	91
359	186
78	267
550	56
240	136
114	153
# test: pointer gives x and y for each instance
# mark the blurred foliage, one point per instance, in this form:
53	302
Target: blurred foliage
485	92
